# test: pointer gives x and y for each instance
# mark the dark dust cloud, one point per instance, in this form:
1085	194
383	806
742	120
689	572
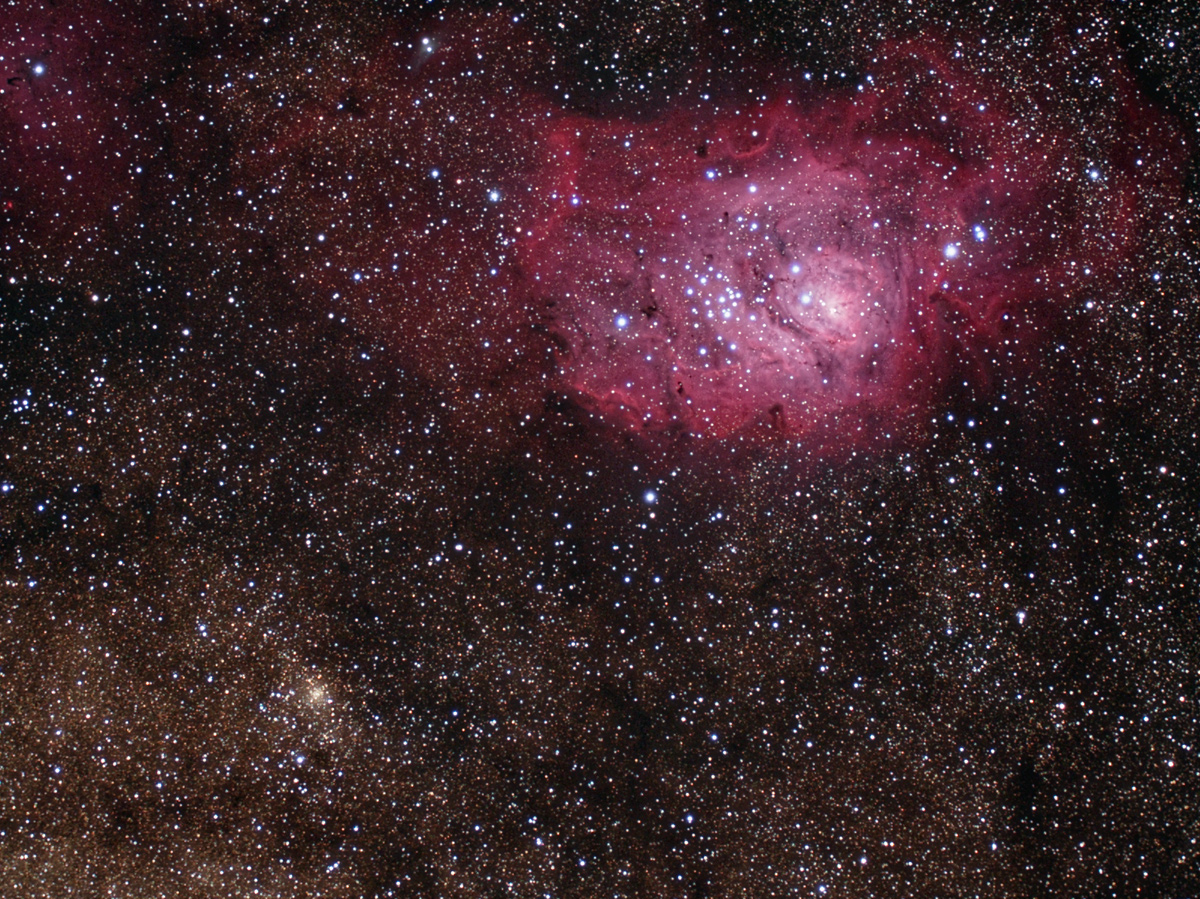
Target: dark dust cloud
599	449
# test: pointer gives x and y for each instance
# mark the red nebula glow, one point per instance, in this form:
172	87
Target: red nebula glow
782	260
806	262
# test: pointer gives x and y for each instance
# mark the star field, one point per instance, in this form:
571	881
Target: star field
608	449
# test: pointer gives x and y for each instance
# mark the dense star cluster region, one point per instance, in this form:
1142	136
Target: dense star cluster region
599	450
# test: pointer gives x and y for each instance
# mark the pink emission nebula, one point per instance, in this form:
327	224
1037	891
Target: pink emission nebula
782	262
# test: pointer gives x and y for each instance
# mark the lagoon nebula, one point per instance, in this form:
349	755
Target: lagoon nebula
821	260
772	257
625	449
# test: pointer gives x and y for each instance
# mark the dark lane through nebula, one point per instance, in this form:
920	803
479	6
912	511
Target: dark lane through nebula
599	448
